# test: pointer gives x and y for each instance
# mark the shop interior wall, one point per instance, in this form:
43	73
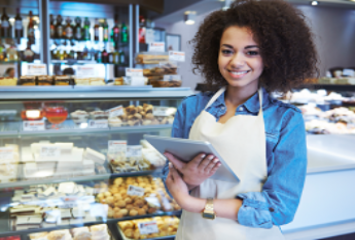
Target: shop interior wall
334	37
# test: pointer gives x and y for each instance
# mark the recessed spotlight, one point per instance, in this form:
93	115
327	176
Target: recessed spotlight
314	3
189	17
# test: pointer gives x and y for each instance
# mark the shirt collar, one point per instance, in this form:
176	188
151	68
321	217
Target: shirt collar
252	104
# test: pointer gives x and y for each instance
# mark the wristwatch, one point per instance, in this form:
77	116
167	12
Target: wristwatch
208	212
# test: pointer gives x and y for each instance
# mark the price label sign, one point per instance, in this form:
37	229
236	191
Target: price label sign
98	124
138	81
177	56
35	69
6	153
162	111
116	111
33	126
148	227
117	146
135	191
49	151
85	71
134	151
156	47
349	72
134	72
149	35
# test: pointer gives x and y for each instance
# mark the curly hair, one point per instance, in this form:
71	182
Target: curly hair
285	42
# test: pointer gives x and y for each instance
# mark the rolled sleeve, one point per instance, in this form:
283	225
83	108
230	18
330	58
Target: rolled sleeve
281	193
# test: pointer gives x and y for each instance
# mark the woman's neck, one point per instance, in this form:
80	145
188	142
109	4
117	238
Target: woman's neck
238	96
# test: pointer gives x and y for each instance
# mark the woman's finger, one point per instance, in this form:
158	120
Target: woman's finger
214	169
211	164
175	161
205	162
197	160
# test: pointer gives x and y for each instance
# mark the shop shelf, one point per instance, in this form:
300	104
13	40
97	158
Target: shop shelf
329	87
73	61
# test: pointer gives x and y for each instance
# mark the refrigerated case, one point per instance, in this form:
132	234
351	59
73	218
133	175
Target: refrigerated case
75	156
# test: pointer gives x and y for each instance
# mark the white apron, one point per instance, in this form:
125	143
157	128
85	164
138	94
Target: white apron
241	143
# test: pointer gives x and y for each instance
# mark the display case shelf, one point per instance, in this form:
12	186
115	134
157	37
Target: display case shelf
329	87
73	62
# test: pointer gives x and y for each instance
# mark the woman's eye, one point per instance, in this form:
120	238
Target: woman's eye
252	53
226	51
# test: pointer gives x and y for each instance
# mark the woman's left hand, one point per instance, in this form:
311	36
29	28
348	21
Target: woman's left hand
177	186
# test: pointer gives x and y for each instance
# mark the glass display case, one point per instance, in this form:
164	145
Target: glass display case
72	157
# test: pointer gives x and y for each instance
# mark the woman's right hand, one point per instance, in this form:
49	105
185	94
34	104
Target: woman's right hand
197	170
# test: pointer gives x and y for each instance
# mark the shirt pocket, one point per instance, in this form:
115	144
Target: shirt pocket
271	140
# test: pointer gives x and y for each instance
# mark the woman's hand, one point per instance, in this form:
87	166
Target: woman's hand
197	170
177	187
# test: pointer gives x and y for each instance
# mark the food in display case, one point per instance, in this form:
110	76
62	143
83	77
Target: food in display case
119	81
79	116
32	114
27	81
158	227
89	81
62	80
167	68
45	80
99	115
56	115
11	238
93	232
134	196
151	58
114	122
7	81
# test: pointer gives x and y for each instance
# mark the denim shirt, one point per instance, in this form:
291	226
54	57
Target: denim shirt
286	155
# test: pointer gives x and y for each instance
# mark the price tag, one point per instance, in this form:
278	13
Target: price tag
156	47
117	146
116	111
138	81
177	56
348	72
135	191
6	153
148	227
134	151
134	72
35	69
49	152
33	125
98	124
172	77
162	111
149	35
85	71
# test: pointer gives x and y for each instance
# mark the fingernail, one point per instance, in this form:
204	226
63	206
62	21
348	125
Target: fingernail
215	160
219	164
203	156
210	157
170	165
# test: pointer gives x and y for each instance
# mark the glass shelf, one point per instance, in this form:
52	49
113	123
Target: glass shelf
72	62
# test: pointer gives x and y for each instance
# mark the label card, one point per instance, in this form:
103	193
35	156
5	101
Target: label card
149	35
36	69
138	81
162	111
117	146
98	124
135	191
156	47
177	56
85	71
349	72
33	125
6	153
116	111
148	227
134	72
49	151
134	151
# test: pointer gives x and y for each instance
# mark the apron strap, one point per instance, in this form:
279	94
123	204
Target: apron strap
214	98
221	91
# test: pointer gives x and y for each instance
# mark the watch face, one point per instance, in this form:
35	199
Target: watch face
208	215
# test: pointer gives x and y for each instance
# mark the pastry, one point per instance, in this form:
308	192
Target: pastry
99	115
83	236
27	80
45	80
114	122
79	116
62	80
151	59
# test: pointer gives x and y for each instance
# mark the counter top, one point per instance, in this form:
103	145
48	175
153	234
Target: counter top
330	153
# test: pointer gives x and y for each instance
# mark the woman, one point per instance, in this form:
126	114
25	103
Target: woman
253	48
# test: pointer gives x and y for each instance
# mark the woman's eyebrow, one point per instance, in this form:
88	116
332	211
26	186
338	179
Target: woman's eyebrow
227	45
251	46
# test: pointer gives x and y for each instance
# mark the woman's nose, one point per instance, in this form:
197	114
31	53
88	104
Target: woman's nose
237	61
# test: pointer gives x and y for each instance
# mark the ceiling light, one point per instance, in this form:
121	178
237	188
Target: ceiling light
314	3
189	17
227	4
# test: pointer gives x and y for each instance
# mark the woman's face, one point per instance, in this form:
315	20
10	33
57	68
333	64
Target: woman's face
239	58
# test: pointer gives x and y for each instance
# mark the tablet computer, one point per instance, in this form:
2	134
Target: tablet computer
186	150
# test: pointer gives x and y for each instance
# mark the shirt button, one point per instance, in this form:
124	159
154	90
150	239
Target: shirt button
223	108
271	209
241	109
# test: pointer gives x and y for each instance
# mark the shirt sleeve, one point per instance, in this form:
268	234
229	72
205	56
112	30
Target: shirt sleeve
281	193
177	132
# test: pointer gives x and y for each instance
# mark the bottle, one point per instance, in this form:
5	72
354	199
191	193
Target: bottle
115	34
18	25
68	31
5	25
105	30
86	29
28	54
98	56
59	27
96	30
78	33
51	27
104	56
31	29
141	31
122	57
115	57
124	34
